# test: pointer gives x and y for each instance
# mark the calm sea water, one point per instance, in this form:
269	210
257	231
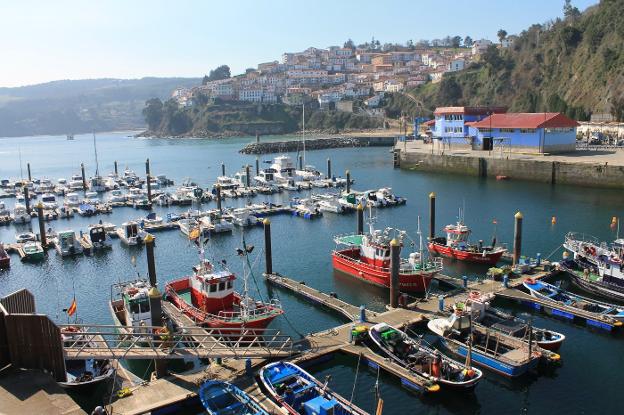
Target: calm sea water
593	363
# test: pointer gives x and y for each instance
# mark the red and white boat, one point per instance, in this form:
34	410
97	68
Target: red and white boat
208	297
367	257
456	246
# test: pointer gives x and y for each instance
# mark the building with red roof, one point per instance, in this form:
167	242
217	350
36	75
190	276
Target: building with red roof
488	127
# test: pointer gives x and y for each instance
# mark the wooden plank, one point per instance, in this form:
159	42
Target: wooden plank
21	301
5	357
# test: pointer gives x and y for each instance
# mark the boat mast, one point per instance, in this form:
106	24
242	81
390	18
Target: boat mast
244	301
97	167
420	249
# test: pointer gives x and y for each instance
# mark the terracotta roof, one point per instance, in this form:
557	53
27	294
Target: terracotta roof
526	120
469	110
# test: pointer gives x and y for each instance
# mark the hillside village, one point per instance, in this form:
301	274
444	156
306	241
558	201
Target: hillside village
336	76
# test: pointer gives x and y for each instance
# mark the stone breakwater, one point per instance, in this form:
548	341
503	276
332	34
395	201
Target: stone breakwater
317	144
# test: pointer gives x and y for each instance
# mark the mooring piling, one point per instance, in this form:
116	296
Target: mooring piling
268	256
42	232
149	177
27	199
432	213
29	175
222	169
116	171
329	176
84	178
300	162
218	195
348	174
395	251
155	301
247	178
517	246
360	219
257	165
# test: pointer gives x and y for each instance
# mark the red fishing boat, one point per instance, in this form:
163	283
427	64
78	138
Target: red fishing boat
208	297
367	257
455	245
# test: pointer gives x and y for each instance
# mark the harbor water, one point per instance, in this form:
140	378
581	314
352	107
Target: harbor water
593	362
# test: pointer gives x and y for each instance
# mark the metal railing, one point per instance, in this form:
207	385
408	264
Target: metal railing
150	342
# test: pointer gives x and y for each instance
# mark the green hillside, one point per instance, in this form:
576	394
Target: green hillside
573	65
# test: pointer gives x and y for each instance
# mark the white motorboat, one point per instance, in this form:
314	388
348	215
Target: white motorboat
242	217
3	210
72	200
67	244
134	193
117	196
98	237
309	173
215	224
187	225
131	234
152	219
49	201
45	186
329	203
111	183
91	198
20	214
76	183
97	184
21	238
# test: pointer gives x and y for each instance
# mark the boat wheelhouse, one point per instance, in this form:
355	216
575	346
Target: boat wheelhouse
33	251
456	245
130	306
49	201
98	237
131	234
208	297
67	244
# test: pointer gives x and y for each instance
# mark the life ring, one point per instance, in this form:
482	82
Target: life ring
70	329
474	295
530	281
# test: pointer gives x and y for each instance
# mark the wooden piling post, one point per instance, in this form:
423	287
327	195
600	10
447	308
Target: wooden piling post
27	199
218	191
300	162
247	173
222	169
395	251
29	175
360	219
155	300
432	213
84	178
517	246
267	246
348	173
257	165
149	177
42	232
116	171
257	138
329	176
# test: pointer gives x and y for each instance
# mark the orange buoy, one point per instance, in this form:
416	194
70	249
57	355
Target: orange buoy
553	220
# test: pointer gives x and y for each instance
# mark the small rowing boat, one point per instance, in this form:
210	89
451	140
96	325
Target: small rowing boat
223	398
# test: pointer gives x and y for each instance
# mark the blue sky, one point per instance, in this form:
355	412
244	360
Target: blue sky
61	39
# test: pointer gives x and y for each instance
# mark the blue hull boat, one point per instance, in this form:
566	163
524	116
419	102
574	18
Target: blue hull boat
223	398
301	394
545	291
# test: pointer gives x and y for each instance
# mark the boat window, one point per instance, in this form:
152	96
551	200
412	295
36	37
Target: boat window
213	288
144	307
134	307
229	284
221	286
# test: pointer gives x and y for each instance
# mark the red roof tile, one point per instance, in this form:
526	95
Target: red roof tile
526	120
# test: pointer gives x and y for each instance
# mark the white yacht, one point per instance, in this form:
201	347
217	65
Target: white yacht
72	200
242	217
97	184
215	224
76	182
309	173
20	214
117	196
67	244
91	198
98	237
45	186
131	234
49	201
227	183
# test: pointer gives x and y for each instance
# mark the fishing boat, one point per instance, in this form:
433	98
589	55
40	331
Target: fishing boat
130	306
367	257
98	237
543	290
67	244
223	398
595	267
491	349
457	246
33	251
131	234
20	214
82	374
208	297
5	259
300	393
425	361
479	307
24	237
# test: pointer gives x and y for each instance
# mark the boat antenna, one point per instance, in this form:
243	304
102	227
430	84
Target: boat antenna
303	132
371	220
420	248
97	167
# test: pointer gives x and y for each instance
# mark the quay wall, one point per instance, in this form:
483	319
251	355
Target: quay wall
317	144
582	174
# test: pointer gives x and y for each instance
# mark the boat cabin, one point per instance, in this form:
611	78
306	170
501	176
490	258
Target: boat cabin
131	229
457	235
67	241
97	234
133	308
212	291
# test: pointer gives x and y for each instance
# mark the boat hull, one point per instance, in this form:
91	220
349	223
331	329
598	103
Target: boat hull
606	290
343	261
489	258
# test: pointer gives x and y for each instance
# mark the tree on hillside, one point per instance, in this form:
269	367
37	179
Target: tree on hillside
450	92
569	11
617	108
349	44
456	41
502	34
468	41
153	113
422	44
410	44
221	72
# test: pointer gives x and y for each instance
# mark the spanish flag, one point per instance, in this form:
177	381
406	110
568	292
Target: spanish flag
72	308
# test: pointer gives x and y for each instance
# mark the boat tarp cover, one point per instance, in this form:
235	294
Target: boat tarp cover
350	239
